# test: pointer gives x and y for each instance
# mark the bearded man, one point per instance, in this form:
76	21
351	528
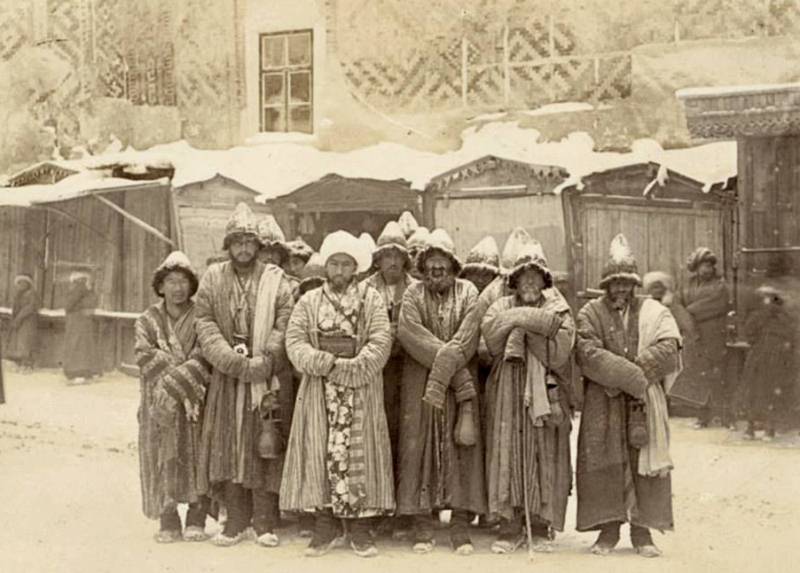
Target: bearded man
339	461
530	335
628	351
441	451
243	306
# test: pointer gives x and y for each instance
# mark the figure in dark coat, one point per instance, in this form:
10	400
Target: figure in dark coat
626	349
22	333
770	369
441	449
80	343
707	300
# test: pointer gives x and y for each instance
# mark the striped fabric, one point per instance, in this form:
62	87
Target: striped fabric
167	440
305	482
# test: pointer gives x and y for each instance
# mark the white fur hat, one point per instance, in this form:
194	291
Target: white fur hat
342	242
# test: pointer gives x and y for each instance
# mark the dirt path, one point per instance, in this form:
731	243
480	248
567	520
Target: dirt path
69	500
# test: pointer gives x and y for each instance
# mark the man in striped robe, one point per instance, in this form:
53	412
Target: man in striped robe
243	306
173	388
339	459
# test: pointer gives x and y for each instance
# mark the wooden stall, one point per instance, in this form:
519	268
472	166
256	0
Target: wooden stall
334	202
663	214
202	209
120	233
491	196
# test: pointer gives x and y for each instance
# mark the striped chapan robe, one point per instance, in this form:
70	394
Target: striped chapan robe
547	448
173	374
230	406
306	484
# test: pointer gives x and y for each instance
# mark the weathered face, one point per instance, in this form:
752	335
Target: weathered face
480	278
243	248
530	285
269	254
706	270
296	266
620	292
176	288
391	264
438	272
340	269
657	291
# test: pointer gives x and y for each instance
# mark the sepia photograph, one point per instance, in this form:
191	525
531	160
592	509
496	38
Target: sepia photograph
399	285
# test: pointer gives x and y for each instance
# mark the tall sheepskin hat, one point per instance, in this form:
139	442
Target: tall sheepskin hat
484	256
621	263
391	238
530	256
516	240
300	249
700	255
408	224
241	222
342	242
418	239
439	242
175	261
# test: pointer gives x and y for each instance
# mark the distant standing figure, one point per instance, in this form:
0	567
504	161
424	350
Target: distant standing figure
24	322
770	366
706	298
80	357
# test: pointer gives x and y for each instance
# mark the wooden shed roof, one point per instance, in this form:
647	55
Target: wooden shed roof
492	162
336	193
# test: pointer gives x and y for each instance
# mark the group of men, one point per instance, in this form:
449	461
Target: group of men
368	388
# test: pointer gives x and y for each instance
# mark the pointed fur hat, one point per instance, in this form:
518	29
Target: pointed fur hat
621	263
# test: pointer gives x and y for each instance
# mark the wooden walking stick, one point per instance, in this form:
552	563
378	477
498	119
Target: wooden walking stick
525	494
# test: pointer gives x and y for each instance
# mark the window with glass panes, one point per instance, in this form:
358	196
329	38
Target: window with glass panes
287	81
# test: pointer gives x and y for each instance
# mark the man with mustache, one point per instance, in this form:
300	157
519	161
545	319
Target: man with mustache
628	352
441	451
530	335
243	306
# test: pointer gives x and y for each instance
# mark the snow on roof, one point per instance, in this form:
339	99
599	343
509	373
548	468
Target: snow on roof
735	90
276	169
80	184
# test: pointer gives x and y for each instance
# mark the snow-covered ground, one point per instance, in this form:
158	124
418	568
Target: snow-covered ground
69	501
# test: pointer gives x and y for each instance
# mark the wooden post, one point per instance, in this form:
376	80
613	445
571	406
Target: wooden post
464	71
506	68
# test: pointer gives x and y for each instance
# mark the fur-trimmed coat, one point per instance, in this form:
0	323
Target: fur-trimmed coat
609	486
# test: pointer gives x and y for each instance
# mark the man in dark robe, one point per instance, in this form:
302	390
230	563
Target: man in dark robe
441	450
530	334
80	357
707	300
243	306
628	352
22	333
